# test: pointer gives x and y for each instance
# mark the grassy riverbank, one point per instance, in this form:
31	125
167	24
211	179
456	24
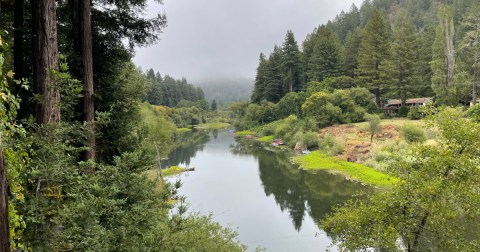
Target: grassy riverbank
353	171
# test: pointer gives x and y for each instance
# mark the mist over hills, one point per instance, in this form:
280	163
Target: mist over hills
226	90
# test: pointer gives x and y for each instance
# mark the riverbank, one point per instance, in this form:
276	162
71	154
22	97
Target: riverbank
353	171
346	149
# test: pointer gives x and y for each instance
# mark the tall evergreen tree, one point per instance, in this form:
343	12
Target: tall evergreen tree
404	54
275	87
373	51
352	47
308	44
291	61
46	60
326	58
258	93
87	60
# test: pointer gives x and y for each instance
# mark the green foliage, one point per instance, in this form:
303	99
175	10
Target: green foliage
330	145
374	125
415	114
403	111
474	112
354	171
13	146
308	139
374	49
431	209
266	139
412	133
338	107
171	92
290	104
325	60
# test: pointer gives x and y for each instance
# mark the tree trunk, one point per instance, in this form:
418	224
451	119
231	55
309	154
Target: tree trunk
88	104
4	229
47	109
449	30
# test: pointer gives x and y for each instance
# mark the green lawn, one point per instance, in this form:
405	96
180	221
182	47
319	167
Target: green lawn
266	139
354	171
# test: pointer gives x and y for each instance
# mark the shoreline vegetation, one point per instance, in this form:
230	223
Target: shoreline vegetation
355	157
353	171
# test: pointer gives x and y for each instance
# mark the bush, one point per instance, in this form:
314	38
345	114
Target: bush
403	111
415	114
309	139
330	145
474	112
412	133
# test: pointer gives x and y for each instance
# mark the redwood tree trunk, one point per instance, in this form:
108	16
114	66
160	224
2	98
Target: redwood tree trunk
4	229
46	59
88	104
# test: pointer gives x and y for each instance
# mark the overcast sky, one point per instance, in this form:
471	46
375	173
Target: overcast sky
223	38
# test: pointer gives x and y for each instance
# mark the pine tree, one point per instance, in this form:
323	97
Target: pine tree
326	58
404	50
291	61
373	51
352	47
275	87
258	93
308	44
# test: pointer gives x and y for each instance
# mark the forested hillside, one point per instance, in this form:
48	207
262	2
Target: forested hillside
76	139
169	92
395	49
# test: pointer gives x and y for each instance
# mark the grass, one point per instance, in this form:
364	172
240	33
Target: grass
244	133
399	122
184	130
354	171
266	139
213	125
173	170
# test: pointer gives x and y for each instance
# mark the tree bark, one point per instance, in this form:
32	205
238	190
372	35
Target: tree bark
4	228
47	110
88	104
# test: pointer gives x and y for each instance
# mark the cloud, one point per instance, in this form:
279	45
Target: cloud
220	38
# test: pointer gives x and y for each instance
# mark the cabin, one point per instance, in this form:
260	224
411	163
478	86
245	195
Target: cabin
393	105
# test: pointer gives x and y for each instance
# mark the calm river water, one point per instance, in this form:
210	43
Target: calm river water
270	202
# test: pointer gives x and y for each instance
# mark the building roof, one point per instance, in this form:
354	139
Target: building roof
411	100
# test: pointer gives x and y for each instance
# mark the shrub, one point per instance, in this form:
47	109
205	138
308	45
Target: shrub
403	111
412	133
330	145
415	114
474	112
309	139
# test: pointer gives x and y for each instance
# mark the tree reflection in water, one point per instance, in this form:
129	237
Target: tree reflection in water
187	145
298	191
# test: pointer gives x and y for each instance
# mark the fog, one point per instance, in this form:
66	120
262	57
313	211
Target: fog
212	39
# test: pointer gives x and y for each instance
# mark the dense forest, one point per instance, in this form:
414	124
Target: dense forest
395	49
76	139
168	91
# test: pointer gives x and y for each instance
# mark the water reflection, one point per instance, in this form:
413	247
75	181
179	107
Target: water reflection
296	191
188	143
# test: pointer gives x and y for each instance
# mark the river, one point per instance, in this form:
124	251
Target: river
258	192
